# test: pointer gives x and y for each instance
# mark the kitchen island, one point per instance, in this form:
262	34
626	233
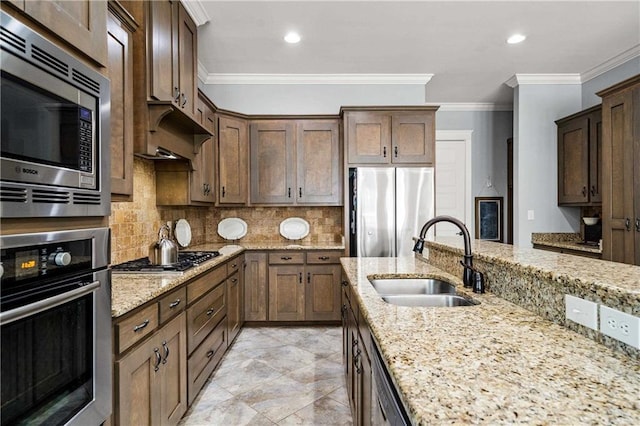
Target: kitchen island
494	362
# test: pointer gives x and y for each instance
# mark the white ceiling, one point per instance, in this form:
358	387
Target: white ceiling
462	44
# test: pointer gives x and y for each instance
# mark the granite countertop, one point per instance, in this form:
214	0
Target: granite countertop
494	362
128	291
571	241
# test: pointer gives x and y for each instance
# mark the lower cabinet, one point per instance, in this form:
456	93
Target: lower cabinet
356	351
255	286
151	380
234	305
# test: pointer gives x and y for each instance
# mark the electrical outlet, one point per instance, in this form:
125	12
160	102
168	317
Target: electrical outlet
531	215
581	311
620	326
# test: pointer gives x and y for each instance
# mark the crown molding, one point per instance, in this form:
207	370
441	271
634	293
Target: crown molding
568	78
196	10
216	78
620	59
473	106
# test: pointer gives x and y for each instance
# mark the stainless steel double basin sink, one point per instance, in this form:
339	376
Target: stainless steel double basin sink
430	292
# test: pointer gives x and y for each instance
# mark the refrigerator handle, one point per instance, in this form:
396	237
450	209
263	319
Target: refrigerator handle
353	222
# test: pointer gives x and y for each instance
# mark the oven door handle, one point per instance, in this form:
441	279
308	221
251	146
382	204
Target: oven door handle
42	305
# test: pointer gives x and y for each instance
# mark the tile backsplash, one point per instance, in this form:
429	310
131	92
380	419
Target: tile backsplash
135	224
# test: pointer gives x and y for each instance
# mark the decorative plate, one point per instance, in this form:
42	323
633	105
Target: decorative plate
294	228
183	232
232	228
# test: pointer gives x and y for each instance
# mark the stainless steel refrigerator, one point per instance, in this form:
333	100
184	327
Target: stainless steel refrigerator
388	207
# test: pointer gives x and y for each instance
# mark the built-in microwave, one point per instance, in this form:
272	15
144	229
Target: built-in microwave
54	129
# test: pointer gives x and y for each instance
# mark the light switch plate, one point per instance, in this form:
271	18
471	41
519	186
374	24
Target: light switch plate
620	326
530	215
581	311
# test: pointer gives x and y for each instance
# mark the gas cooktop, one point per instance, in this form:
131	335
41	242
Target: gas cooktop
186	260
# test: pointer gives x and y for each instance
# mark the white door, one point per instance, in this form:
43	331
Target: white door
453	186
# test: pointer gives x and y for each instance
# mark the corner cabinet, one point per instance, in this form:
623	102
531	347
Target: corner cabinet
580	158
295	162
233	160
390	135
621	172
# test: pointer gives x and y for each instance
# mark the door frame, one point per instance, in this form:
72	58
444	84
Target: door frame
461	135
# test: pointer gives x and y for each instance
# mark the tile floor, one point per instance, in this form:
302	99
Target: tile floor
276	376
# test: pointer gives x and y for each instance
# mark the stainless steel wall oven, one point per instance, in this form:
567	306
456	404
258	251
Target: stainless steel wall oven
55	322
55	129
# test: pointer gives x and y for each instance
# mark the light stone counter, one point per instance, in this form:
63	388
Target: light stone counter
571	241
129	291
493	363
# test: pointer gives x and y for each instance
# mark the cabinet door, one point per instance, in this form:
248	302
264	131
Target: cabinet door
173	385
272	166
366	384
120	72
318	162
255	287
82	23
595	157
368	137
322	296
202	175
162	51
286	293
573	162
233	150
233	306
618	239
187	61
413	138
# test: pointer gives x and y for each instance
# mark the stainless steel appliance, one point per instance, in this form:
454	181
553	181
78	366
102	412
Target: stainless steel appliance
388	206
186	261
387	407
55	322
55	129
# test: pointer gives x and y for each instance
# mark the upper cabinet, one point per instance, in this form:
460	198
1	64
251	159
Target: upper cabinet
120	27
296	162
390	135
81	23
580	158
233	160
621	172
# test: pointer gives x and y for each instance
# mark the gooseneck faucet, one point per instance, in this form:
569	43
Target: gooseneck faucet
467	277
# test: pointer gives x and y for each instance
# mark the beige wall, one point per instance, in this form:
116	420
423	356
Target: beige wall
134	225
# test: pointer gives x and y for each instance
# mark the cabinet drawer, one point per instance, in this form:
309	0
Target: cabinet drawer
172	304
286	258
205	359
324	256
204	283
233	265
204	315
136	327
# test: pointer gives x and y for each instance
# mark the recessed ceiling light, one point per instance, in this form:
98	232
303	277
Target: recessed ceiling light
516	38
292	37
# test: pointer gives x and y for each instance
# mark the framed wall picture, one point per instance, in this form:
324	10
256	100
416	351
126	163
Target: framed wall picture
489	218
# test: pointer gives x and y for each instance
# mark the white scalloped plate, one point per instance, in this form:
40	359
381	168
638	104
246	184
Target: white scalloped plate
294	228
232	228
183	232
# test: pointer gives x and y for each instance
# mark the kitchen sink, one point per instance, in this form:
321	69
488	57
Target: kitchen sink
429	300
412	286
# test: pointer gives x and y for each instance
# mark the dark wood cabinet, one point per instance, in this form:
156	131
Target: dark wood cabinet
233	160
295	162
286	292
255	286
580	158
390	135
621	172
120	27
322	292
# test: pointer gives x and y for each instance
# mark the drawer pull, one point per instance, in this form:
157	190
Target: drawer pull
345	283
210	354
210	311
323	257
234	266
234	280
286	258
156	366
174	303
300	277
166	352
141	326
308	277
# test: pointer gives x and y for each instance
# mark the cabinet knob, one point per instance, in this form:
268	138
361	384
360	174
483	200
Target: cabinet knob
584	191
289	192
345	283
637	224
627	224
395	151
176	94
300	191
308	277
323	257
285	257
593	190
300	277
224	191
384	151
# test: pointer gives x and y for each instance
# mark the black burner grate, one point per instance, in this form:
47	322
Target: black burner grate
186	260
